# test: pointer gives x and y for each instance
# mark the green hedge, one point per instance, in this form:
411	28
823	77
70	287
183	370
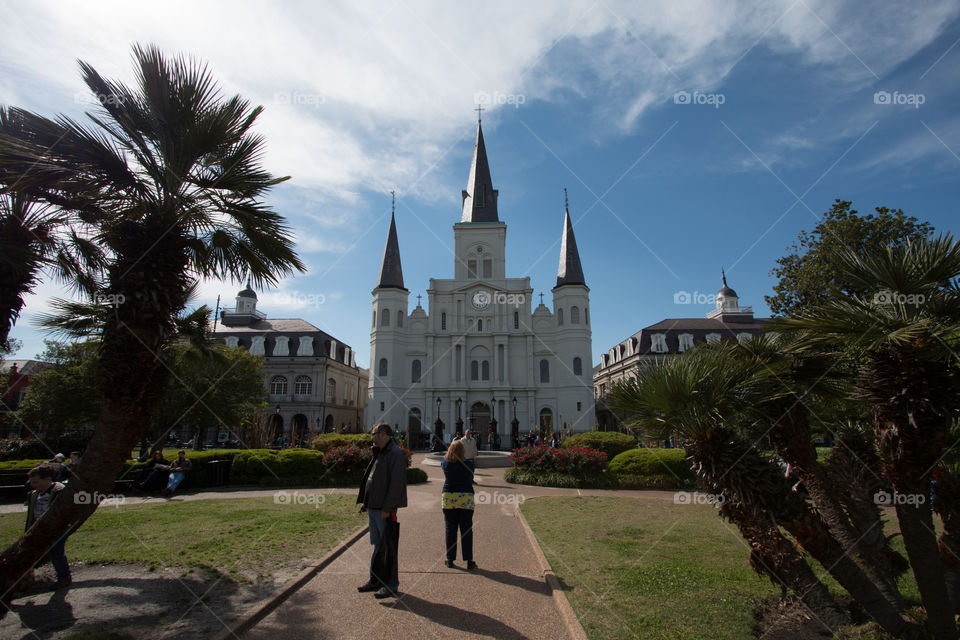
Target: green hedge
416	475
326	441
610	442
661	466
604	480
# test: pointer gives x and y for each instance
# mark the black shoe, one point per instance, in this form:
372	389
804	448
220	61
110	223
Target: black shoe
471	565
450	564
384	592
368	586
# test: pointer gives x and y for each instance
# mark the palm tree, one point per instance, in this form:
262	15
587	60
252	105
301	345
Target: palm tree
707	393
908	333
168	176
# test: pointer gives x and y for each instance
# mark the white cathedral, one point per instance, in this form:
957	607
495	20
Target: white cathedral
483	358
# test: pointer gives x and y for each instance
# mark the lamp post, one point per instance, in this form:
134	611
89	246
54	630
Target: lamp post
277	424
318	425
438	425
492	436
459	421
514	427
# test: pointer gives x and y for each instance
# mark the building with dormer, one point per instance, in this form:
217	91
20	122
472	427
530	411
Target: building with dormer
312	382
727	321
484	357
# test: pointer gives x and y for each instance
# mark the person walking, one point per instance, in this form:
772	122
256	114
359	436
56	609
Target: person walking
457	503
383	490
469	446
45	490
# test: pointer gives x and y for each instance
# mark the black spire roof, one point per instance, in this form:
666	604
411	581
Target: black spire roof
391	273
726	291
248	292
570	270
479	198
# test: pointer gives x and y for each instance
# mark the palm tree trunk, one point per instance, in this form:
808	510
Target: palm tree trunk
132	375
947	505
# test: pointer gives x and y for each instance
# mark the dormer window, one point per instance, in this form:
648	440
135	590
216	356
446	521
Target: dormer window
713	338
658	343
686	341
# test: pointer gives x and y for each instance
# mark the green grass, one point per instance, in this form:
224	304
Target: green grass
237	537
648	568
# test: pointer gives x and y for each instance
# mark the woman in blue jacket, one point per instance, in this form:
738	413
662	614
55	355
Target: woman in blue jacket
456	500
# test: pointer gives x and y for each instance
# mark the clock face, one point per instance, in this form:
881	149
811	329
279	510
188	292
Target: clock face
481	299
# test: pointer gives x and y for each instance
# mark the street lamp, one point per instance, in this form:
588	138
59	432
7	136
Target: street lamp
438	425
276	423
459	421
492	436
515	427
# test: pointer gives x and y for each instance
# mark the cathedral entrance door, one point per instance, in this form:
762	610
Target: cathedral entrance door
479	419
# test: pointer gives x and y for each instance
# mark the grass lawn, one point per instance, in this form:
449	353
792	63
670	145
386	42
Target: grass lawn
649	568
240	537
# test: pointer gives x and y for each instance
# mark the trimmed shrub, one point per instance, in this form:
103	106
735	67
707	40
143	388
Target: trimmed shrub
326	441
31	448
611	443
416	475
603	480
576	461
661	468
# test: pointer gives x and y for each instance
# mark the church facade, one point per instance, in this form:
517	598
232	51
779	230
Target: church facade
484	357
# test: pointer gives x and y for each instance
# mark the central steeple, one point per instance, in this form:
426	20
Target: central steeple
479	198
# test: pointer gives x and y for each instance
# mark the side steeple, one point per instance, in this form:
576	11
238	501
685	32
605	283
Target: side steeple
479	198
391	272
570	271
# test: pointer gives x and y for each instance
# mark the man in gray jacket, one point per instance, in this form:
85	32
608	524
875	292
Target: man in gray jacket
383	490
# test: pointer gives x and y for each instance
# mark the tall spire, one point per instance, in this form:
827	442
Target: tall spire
479	198
391	273
570	270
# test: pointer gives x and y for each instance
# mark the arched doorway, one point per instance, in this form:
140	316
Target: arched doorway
300	427
479	418
275	433
328	424
546	422
414	422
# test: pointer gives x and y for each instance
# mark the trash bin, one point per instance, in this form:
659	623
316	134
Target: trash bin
217	472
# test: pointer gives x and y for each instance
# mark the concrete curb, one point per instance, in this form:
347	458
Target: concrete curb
261	612
570	620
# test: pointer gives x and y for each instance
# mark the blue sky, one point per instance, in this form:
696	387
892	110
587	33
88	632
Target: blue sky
690	136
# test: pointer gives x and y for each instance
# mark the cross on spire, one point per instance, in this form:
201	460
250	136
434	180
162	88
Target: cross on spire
418	300
393	202
479	111
565	203
541	298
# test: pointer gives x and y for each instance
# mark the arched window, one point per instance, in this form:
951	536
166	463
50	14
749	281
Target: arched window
544	371
400	318
332	390
385	318
574	315
485	370
303	385
560	316
474	370
278	386
383	367
577	366
516	319
443	321
415	371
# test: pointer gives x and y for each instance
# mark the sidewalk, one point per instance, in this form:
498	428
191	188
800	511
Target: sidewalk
505	598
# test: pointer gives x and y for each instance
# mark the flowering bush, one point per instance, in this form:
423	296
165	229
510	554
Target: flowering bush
575	461
353	460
